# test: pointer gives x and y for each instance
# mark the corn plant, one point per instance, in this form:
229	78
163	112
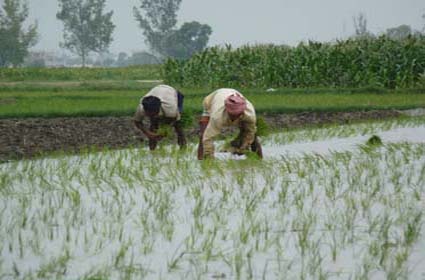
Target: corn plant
377	62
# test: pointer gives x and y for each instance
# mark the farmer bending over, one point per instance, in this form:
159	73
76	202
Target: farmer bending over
162	104
223	108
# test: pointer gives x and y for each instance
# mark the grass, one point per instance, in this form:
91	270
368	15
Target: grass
86	85
145	72
92	100
134	214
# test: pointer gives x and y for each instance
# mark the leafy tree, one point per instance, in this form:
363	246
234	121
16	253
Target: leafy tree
360	26
158	18
191	38
140	58
423	29
14	40
35	59
122	59
86	27
400	32
104	60
136	58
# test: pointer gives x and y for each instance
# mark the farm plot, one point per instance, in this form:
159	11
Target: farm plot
339	210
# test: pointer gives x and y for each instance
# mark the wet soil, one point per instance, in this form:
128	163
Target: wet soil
26	138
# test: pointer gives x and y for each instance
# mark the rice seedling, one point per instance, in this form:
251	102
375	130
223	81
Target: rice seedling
351	214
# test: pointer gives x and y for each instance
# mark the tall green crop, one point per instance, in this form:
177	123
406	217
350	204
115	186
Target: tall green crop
378	62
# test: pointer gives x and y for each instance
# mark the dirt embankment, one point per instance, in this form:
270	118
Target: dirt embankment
25	138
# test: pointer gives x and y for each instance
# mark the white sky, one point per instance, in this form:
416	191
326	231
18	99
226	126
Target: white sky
241	22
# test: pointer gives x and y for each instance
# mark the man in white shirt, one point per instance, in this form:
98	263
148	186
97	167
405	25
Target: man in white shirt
162	104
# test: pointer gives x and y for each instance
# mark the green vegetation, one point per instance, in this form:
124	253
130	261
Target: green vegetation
145	72
116	102
86	27
82	86
377	62
16	34
135	214
158	20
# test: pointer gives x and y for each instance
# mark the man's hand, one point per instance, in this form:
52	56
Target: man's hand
203	123
256	147
238	151
153	136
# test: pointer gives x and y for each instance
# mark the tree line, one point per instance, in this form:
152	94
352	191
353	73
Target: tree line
88	28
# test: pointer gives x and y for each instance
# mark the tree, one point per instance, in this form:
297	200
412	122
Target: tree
191	38
86	27
35	59
140	58
399	33
423	29
122	59
360	26
157	21
14	39
105	60
158	18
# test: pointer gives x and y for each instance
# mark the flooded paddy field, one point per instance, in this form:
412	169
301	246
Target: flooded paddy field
322	204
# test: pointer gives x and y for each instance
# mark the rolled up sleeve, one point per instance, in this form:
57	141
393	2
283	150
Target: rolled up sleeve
207	140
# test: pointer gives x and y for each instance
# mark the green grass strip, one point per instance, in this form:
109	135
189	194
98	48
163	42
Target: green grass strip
22	104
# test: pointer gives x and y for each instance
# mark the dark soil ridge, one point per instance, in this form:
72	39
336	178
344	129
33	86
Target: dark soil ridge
27	138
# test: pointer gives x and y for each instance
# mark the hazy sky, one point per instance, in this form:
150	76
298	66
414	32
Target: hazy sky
240	22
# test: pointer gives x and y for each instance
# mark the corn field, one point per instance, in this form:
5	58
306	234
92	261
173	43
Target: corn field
378	62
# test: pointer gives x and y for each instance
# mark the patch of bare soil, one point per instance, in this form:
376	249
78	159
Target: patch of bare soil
6	101
26	138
